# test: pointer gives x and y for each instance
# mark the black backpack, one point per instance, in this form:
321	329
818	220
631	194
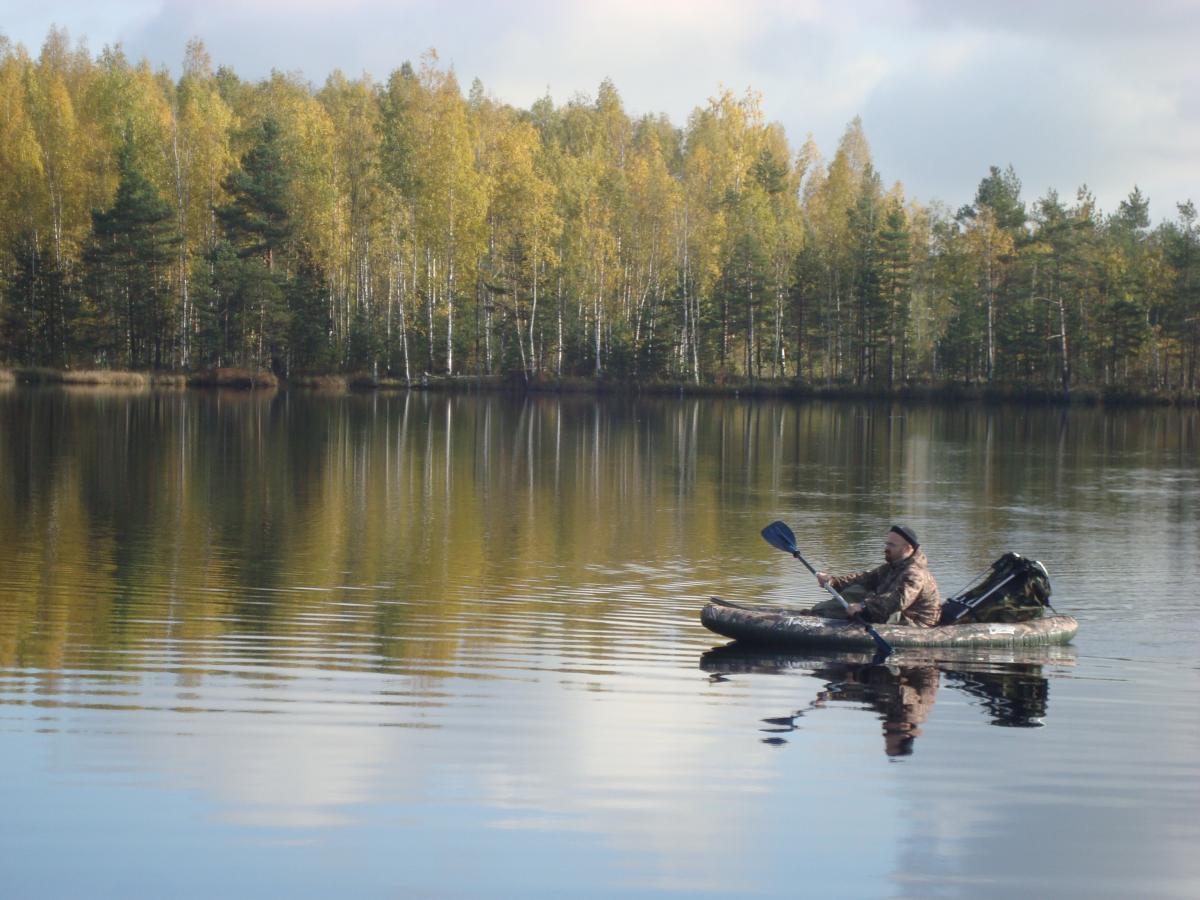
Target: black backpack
1014	589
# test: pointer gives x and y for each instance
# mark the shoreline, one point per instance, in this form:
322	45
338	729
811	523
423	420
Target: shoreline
789	389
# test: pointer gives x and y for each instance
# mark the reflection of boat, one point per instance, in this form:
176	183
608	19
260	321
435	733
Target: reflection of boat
738	658
788	628
902	688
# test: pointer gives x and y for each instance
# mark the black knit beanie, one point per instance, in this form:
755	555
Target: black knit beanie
907	533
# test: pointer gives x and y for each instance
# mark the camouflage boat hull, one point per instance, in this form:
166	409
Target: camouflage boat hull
787	628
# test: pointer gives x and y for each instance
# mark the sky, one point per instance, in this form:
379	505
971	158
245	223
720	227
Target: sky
1098	92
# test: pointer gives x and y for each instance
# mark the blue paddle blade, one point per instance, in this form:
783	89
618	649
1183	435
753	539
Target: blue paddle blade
779	536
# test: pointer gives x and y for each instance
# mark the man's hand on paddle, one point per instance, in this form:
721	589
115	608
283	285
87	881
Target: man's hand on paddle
852	609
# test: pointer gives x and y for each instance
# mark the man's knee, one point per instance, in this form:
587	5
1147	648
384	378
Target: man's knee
854	593
828	609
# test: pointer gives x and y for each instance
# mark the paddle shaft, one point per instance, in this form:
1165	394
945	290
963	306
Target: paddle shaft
829	587
882	644
780	536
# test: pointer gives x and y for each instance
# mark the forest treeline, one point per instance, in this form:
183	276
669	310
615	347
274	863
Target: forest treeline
404	227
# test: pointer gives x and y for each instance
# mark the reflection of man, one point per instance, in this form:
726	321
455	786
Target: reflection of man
900	592
902	695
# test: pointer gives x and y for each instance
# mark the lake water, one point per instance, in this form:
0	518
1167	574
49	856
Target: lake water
449	646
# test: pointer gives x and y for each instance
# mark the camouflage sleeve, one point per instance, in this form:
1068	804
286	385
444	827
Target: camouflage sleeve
899	598
868	578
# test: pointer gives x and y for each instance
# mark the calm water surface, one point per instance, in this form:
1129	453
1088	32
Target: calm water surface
430	646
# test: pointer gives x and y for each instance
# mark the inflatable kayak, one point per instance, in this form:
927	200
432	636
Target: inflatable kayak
788	628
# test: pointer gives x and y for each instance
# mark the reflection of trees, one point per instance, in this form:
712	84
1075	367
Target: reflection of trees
134	517
193	516
902	689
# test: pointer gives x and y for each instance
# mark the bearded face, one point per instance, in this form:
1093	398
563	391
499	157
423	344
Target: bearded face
896	548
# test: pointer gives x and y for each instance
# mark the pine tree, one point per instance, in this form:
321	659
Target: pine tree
256	219
309	324
129	261
1182	240
37	312
257	224
1129	296
864	222
1001	193
895	267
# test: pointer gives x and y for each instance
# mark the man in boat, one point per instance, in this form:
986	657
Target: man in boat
900	592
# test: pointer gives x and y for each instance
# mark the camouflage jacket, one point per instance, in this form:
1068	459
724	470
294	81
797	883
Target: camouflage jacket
906	587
